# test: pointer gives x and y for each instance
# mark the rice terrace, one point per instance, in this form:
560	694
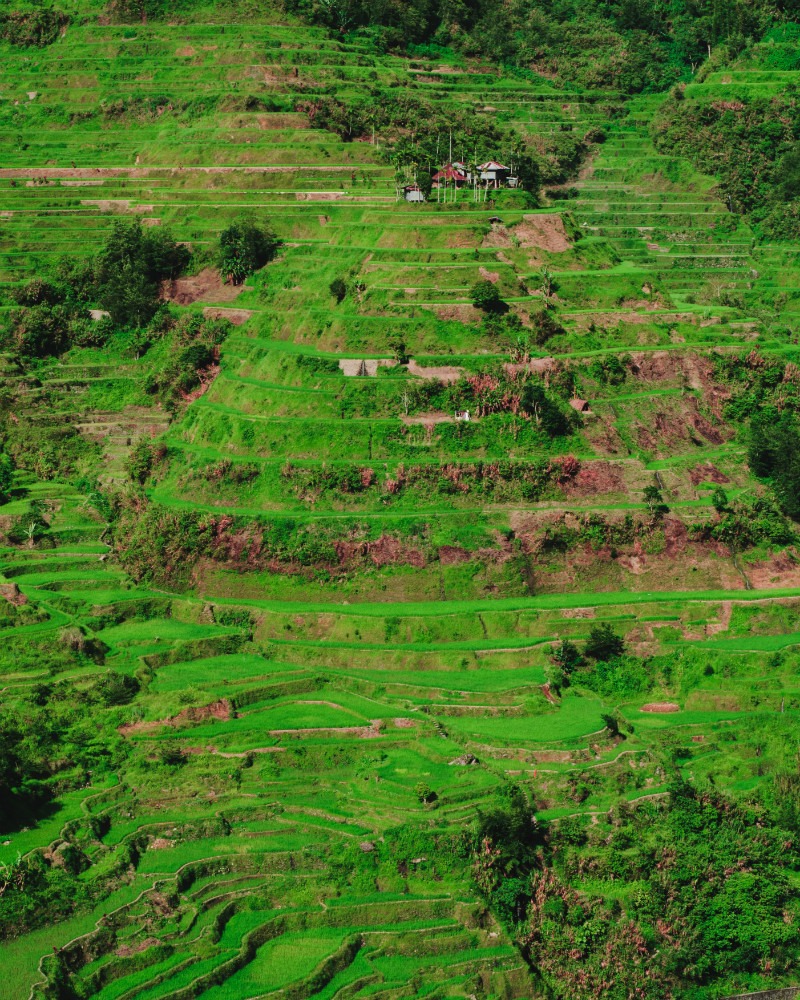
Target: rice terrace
399	499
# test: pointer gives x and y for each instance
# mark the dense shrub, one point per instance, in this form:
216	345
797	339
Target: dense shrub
675	934
245	247
33	27
603	643
486	295
774	454
749	143
130	268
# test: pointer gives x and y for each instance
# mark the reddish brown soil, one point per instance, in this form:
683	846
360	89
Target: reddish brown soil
216	710
676	536
444	373
707	474
451	555
673	425
428	419
782	570
235	316
126	950
660	707
207	286
462	240
691	370
544	232
460	313
384	551
497	238
12	594
595	478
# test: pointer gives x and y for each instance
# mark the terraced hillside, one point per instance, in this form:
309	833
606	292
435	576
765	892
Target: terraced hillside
312	687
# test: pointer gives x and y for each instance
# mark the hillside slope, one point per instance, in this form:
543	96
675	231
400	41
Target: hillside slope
311	686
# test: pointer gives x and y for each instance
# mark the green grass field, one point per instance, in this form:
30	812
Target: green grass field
283	674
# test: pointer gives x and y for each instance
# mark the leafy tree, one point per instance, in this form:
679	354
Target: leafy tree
603	643
115	688
172	755
485	296
32	28
338	289
774	454
245	247
37	292
655	502
568	656
545	326
6	475
139	463
397	346
425	793
719	501
40	331
130	268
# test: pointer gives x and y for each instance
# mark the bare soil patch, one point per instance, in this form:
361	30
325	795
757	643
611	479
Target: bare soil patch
463	240
383	551
207	286
543	232
493	276
462	313
660	707
220	709
126	950
235	316
707	474
428	419
497	238
353	366
445	373
594	478
12	593
724	619
452	555
318	195
782	570
678	422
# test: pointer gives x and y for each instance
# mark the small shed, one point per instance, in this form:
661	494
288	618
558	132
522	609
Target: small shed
581	405
449	174
462	416
413	192
493	172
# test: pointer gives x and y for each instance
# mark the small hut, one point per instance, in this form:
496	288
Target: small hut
493	173
413	192
449	174
581	405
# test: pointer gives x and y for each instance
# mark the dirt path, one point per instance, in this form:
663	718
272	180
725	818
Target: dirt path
55	173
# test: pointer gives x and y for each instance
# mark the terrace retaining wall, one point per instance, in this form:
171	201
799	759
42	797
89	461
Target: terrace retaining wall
786	993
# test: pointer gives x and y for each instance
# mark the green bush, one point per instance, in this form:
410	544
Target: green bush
485	295
603	643
244	248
